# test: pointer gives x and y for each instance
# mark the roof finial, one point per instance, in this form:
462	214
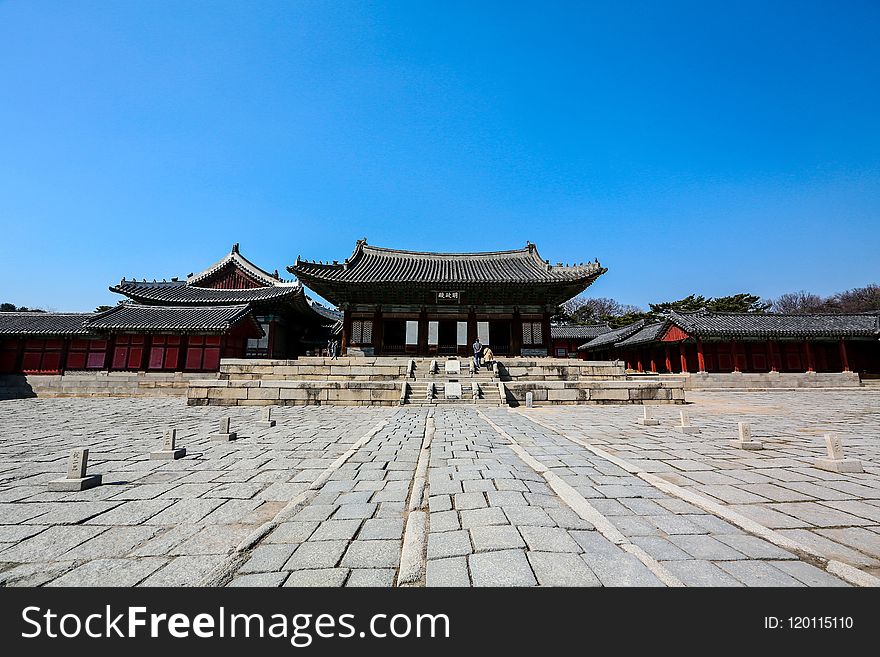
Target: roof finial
235	248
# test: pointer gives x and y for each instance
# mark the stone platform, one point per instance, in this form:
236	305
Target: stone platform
97	384
715	381
392	381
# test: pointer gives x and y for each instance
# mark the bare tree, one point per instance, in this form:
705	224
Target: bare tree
798	303
857	300
587	310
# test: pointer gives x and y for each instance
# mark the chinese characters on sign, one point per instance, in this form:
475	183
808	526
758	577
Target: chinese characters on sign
448	297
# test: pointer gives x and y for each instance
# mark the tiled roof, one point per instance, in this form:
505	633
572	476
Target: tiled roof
328	313
234	257
371	264
185	319
578	332
30	323
180	292
608	339
755	325
646	334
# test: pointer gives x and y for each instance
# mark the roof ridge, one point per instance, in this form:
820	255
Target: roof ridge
383	249
46	312
234	255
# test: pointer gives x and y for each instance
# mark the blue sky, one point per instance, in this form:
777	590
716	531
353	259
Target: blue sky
707	147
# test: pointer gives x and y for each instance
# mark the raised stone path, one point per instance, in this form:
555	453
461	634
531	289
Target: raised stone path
451	496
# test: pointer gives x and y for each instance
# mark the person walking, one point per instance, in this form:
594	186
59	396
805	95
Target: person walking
478	352
334	348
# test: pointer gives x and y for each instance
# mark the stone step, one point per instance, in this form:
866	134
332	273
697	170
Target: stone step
416	395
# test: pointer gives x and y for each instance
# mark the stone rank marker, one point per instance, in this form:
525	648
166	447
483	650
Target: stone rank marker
648	418
76	479
835	461
530	400
267	422
224	434
745	438
686	426
452	390
453	367
170	451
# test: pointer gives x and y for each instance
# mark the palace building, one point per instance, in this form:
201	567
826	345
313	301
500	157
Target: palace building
232	309
706	341
398	302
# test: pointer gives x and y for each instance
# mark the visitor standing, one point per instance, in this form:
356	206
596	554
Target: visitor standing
488	357
478	352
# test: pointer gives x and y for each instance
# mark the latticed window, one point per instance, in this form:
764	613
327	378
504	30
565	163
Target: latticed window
362	331
532	333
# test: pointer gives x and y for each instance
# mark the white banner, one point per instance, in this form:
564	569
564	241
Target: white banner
433	333
462	334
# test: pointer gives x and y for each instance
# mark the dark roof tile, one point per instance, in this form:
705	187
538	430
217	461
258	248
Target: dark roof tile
760	325
179	292
371	264
43	324
608	339
646	334
185	319
578	332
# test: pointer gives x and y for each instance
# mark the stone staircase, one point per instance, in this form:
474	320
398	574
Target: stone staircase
474	392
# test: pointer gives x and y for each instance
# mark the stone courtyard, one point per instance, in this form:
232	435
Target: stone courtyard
449	496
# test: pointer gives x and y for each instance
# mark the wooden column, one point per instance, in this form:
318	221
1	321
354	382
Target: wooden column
423	332
808	349
545	333
378	331
270	343
668	360
683	356
62	361
346	331
653	362
515	333
733	356
701	360
772	351
841	345
471	330
639	359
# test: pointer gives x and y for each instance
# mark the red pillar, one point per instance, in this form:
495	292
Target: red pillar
668	360
346	331
545	332
733	356
515	334
639	360
472	330
653	362
808	348
843	359
772	350
683	356
701	360
423	332
62	362
378	332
